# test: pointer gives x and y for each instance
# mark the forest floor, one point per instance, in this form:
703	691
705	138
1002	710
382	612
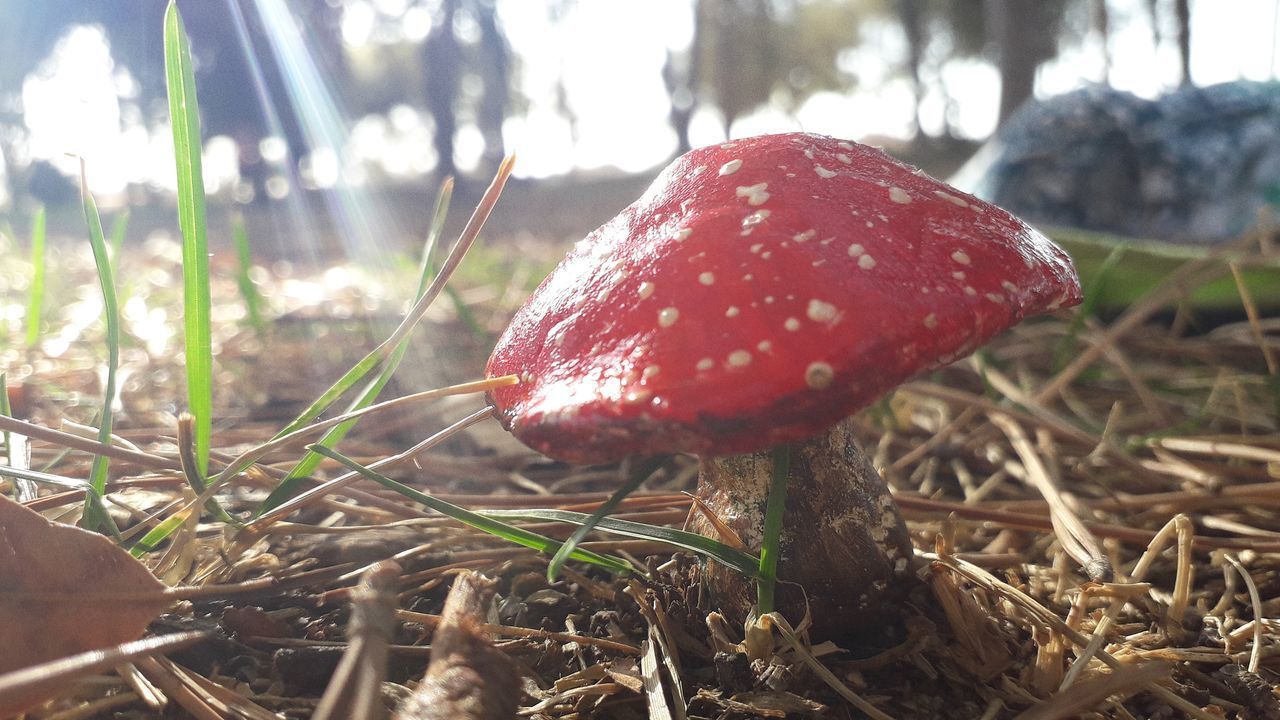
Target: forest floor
1160	435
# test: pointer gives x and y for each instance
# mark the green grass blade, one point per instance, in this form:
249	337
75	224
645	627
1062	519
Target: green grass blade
1095	287
480	522
92	498
745	563
119	228
111	316
384	350
185	117
244	263
35	296
775	512
312	459
6	411
638	476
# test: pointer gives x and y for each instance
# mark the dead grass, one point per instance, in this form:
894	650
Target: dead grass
1147	440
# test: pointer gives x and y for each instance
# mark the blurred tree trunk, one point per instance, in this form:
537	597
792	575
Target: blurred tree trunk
442	56
1101	17
1025	34
497	83
678	76
1182	16
911	16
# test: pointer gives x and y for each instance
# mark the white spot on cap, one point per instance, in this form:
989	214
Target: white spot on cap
959	274
791	324
707	278
844	145
961	257
683	234
823	172
757	194
954	200
756	248
931	321
899	195
668	316
819	311
764	346
645	290
866	262
732	311
649	372
739	359
844	158
706	364
750	222
1008	286
968	290
819	375
730	167
855	250
635	397
995	297
804	236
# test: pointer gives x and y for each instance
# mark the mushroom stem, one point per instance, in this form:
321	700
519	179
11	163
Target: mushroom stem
843	555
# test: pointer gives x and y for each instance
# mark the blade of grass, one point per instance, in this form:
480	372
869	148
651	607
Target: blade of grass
411	318
638	476
15	446
309	462
185	118
497	528
745	563
775	510
244	263
1093	292
119	227
92	498
111	316
35	296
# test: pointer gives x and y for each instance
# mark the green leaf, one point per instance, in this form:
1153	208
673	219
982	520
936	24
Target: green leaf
119	227
185	117
775	512
638	476
244	263
494	527
309	462
93	498
111	316
35	296
387	347
1146	264
745	563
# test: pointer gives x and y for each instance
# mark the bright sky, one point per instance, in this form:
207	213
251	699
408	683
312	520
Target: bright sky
611	55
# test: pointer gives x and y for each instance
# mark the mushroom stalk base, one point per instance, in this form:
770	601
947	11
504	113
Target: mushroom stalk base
845	554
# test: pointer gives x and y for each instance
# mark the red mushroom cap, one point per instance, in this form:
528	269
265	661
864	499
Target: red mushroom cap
760	291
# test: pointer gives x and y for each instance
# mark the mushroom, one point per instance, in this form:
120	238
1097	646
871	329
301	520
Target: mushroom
758	293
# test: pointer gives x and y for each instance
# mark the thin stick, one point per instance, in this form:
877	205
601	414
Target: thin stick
1251	311
478	386
1072	533
1255	654
341	481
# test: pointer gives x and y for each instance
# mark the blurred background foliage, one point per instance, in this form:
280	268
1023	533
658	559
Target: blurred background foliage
337	97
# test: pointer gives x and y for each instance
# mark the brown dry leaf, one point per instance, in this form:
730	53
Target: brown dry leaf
64	590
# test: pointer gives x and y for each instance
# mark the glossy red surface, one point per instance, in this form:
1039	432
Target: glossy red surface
759	291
